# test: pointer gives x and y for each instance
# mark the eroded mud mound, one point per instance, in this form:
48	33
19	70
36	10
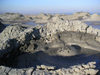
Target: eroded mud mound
53	48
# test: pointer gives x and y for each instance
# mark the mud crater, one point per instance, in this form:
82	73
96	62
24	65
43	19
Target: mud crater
68	49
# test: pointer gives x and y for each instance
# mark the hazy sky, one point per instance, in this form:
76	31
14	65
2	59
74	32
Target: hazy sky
49	6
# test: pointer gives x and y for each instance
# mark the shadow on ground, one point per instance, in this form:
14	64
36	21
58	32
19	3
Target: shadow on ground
26	60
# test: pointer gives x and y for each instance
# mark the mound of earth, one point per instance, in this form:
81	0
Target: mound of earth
83	16
12	18
93	17
59	47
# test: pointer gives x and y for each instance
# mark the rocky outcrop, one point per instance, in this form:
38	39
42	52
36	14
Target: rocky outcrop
17	37
8	38
65	25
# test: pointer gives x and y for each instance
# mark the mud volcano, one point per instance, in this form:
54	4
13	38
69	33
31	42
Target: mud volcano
54	48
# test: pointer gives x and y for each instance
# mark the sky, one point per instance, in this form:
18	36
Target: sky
49	6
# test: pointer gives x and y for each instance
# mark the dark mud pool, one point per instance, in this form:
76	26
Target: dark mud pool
29	60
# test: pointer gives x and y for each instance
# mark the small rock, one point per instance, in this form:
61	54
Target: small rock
51	68
92	64
13	72
38	67
29	71
91	71
76	70
43	67
85	66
